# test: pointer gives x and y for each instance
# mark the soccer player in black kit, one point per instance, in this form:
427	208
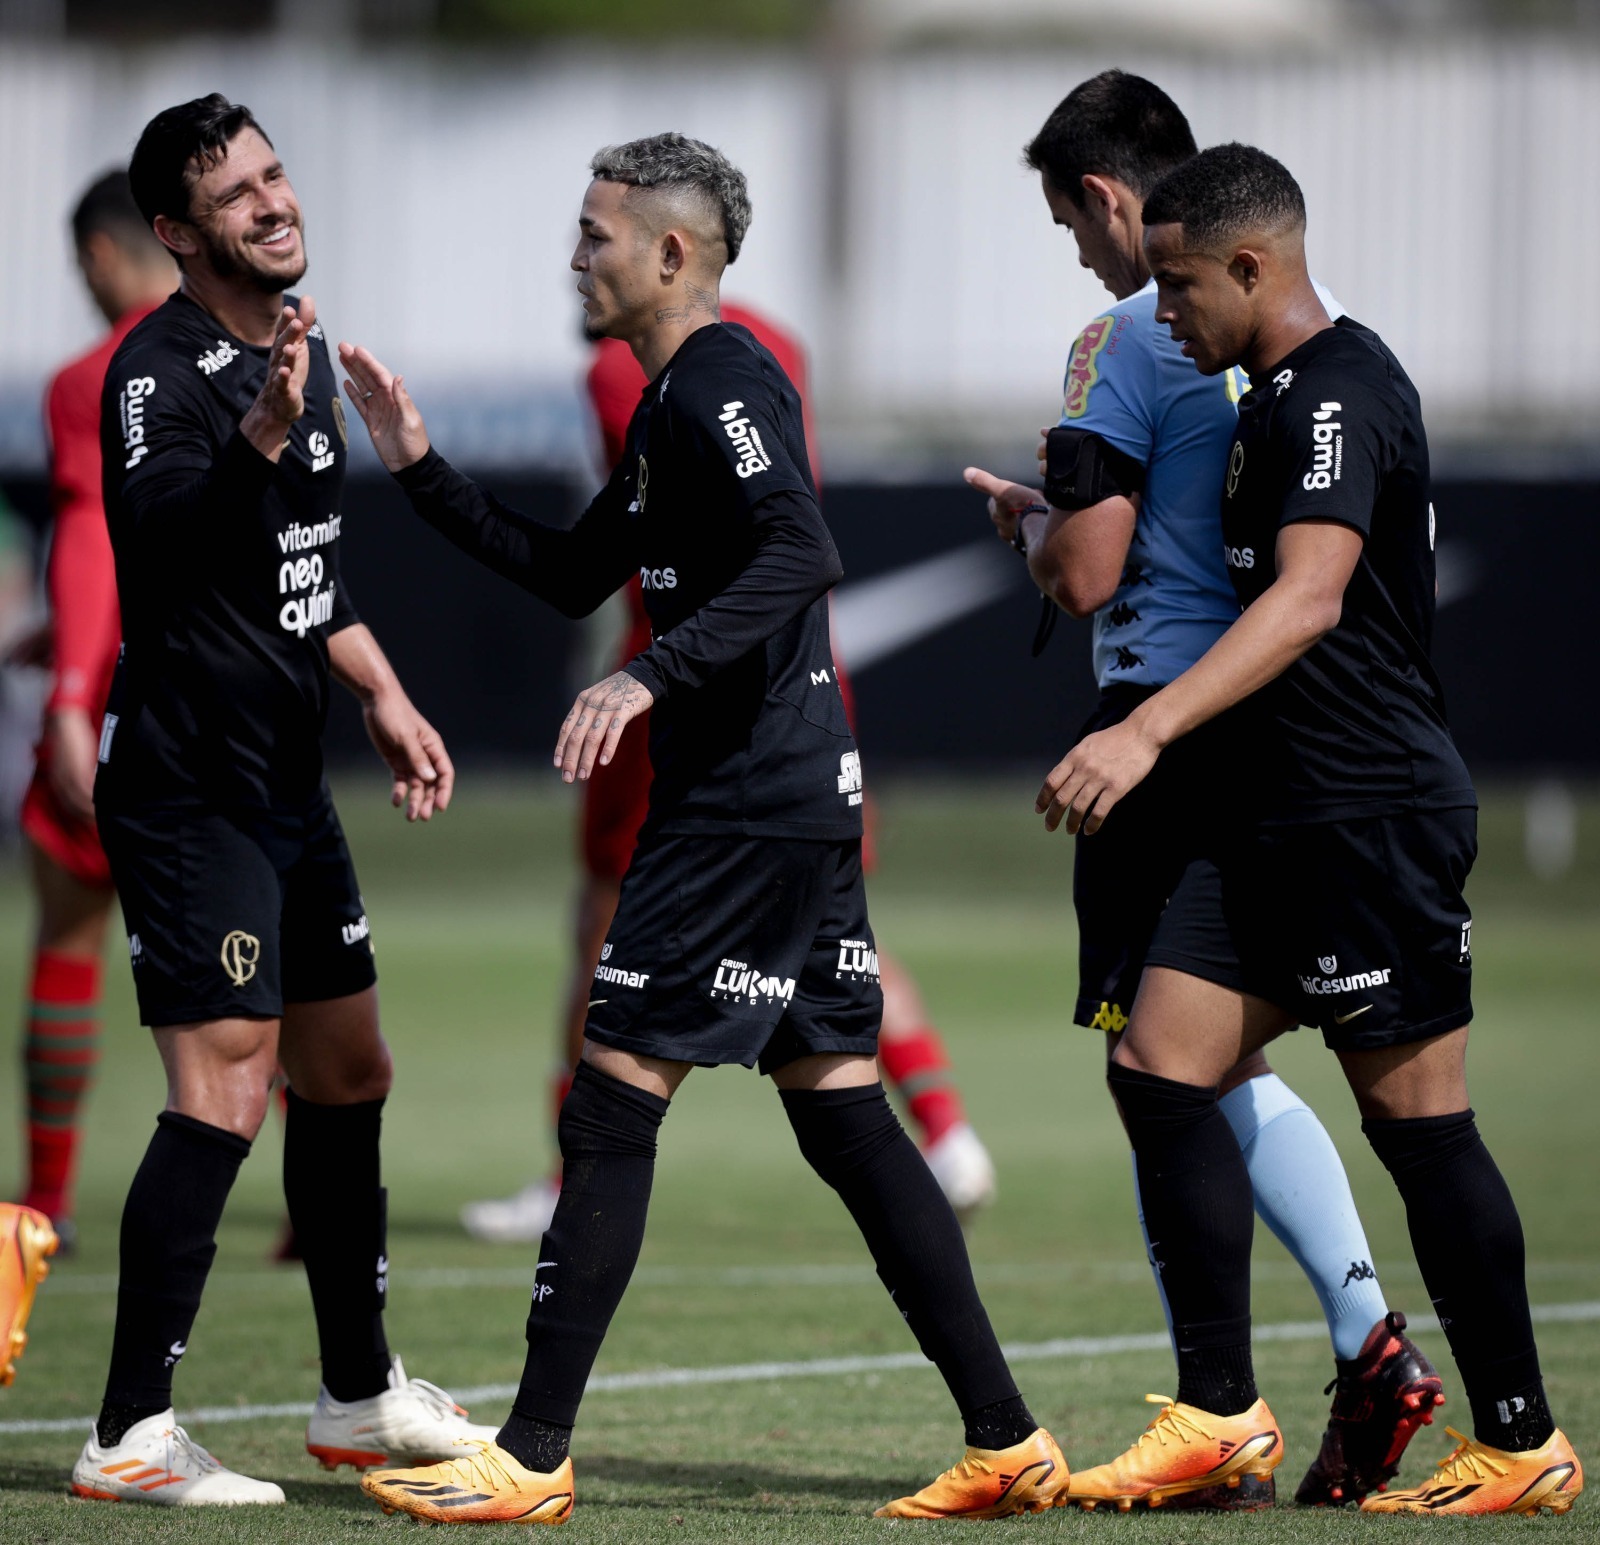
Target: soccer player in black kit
223	445
1342	895
741	935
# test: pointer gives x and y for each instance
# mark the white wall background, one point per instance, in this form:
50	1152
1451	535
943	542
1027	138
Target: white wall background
1452	193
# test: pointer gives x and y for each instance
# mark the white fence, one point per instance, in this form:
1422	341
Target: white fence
1452	194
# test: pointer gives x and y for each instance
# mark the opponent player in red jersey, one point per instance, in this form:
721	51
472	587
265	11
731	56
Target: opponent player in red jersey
616	799
129	273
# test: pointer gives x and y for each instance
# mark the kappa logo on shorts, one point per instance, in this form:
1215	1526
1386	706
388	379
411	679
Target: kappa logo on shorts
858	961
240	952
135	949
1466	943
1109	1018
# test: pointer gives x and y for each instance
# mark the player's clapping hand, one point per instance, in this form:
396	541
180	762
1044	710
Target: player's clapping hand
590	732
386	408
1008	502
414	752
1085	785
282	398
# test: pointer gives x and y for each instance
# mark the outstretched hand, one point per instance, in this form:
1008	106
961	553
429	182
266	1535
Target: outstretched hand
590	732
1008	502
282	398
398	433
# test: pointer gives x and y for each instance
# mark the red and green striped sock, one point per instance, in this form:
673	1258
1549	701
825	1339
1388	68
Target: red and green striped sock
62	1047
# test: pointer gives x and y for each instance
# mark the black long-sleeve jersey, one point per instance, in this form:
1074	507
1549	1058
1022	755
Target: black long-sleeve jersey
1356	726
714	508
227	569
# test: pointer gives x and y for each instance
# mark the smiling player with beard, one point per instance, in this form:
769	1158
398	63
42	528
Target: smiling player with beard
223	450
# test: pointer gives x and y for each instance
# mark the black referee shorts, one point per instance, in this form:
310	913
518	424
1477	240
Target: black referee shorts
232	914
737	949
1359	927
1123	876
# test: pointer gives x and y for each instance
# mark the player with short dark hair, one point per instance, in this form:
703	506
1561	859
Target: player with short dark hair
127	273
1127	528
1340	902
223	450
741	935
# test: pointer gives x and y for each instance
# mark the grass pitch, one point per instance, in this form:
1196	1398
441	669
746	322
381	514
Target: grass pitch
749	1259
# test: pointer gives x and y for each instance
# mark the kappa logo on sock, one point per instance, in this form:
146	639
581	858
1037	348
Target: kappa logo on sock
383	1273
1360	1271
542	1290
176	1351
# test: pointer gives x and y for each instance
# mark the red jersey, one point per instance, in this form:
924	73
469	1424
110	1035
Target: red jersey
81	582
81	579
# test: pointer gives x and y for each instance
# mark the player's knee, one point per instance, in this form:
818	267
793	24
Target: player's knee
841	1130
604	1117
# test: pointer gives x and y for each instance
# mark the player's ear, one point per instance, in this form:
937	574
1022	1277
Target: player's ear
1245	267
1099	195
177	236
674	253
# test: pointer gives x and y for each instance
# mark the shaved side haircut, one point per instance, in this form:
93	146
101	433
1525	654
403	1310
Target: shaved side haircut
689	178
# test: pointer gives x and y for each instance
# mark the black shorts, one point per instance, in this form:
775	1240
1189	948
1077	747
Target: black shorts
739	949
1124	874
1356	927
233	914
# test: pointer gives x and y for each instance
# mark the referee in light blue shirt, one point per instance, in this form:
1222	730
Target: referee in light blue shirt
1128	530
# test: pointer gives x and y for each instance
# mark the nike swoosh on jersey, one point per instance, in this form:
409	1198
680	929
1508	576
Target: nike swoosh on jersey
1341	1019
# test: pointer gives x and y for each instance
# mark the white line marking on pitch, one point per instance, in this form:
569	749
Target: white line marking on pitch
746	1373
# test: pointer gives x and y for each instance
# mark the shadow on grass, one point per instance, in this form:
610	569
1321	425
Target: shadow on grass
729	1482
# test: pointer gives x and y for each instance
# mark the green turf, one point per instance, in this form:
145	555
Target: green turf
469	921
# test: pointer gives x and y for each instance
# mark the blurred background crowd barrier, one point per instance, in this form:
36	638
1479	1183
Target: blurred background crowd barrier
440	148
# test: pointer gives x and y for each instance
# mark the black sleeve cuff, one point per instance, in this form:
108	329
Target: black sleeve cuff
420	474
646	675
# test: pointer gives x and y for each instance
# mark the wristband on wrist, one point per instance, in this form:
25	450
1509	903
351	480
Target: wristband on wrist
1019	539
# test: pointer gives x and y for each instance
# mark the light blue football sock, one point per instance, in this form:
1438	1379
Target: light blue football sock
1149	1255
1303	1195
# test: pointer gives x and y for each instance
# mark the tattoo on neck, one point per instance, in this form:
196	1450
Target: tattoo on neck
696	299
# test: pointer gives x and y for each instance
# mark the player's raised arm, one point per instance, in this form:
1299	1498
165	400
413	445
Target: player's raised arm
574	570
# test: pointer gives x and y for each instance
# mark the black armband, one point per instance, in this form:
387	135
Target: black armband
1081	469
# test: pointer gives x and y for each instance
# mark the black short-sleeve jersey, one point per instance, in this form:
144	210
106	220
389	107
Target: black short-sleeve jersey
1356	726
713	506
227	569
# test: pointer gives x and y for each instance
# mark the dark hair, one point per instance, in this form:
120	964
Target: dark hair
177	146
676	162
1224	192
107	205
1113	125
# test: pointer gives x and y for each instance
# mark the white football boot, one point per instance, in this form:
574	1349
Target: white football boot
964	1170
513	1220
158	1462
412	1422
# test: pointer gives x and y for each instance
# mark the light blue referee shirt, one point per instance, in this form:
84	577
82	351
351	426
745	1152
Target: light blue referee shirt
1128	382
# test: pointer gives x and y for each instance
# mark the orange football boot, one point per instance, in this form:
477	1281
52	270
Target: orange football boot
26	1239
1184	1453
1028	1477
1480	1479
488	1487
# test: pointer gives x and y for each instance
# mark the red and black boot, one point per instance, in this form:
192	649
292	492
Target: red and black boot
1379	1402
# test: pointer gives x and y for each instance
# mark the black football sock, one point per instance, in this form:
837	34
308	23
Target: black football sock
1200	1216
337	1207
169	1239
607	1134
1468	1242
854	1141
